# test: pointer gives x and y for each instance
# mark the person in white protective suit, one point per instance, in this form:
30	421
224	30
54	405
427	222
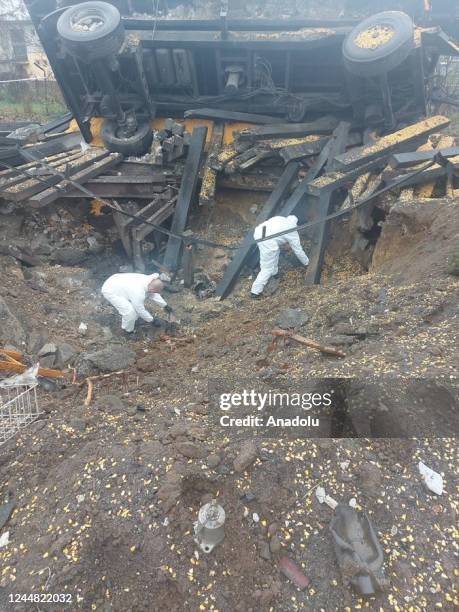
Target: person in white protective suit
127	293
270	249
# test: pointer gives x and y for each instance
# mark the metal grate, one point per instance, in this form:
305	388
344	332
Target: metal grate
18	408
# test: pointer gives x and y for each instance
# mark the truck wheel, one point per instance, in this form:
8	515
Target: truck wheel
379	44
137	144
91	30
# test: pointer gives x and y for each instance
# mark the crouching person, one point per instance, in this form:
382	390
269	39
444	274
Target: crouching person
270	249
127	293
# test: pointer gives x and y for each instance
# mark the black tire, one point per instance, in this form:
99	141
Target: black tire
103	41
365	60
137	144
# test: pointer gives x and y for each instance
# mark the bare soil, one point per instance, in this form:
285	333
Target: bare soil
106	495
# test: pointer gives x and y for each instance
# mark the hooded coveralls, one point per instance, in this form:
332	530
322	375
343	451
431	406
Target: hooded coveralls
127	293
270	249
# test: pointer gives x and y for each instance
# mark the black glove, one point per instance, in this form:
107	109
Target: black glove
168	309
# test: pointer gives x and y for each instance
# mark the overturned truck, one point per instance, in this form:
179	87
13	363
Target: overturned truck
120	62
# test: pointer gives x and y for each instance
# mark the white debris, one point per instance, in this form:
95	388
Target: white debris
324	498
27	379
82	329
166	521
353	502
177	411
80	499
246	512
4	539
432	479
344	465
255	517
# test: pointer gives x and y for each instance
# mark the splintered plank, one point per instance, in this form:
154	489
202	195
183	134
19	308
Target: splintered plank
218	114
13	172
445	143
299	151
251	156
405	160
430	174
247	247
331	181
84	175
390	143
322	206
227	153
185	196
30	187
37	171
143	191
324	125
248	182
209	178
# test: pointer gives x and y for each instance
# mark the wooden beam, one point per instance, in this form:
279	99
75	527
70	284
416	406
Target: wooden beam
300	151
49	195
141	191
324	125
32	170
218	114
247	247
334	180
390	143
209	178
405	160
185	196
249	182
30	187
431	174
322	207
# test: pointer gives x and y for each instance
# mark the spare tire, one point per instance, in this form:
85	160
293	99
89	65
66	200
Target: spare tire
137	144
379	44
91	30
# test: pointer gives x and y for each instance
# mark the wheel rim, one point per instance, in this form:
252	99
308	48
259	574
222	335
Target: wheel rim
374	37
87	21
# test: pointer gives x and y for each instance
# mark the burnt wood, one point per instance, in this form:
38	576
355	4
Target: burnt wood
185	196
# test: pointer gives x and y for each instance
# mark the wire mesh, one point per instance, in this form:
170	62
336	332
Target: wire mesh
18	408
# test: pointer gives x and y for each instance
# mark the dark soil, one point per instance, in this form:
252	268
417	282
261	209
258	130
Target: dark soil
106	495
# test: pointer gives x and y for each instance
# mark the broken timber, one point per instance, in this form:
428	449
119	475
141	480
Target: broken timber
325	125
224	115
247	246
117	190
405	160
31	186
299	151
209	178
185	195
390	143
430	174
53	193
337	146
328	350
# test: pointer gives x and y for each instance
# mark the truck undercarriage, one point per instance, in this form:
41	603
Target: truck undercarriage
128	67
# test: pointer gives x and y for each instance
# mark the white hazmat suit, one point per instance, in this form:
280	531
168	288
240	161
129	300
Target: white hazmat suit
270	249
127	292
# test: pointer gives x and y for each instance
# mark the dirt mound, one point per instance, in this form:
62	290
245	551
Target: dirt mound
417	239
